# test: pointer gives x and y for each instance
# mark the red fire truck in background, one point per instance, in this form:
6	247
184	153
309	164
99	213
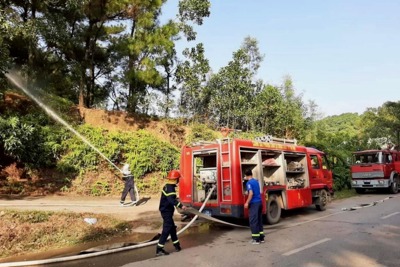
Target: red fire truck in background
290	176
376	169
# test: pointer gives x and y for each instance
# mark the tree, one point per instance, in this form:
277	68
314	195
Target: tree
191	76
383	122
4	56
168	62
293	113
267	106
192	11
148	56
392	120
234	87
21	17
90	50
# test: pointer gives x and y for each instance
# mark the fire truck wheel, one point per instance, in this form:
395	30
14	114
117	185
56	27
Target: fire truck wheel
323	200
394	189
360	190
273	210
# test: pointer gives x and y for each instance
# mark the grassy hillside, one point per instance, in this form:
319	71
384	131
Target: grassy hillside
41	156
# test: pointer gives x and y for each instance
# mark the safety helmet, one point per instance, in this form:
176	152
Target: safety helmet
173	175
125	170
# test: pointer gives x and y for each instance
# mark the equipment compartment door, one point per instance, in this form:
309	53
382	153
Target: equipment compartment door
298	198
205	175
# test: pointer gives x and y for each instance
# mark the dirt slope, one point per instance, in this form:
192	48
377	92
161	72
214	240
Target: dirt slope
120	120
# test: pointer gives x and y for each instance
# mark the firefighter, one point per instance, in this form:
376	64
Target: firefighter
168	202
129	187
253	203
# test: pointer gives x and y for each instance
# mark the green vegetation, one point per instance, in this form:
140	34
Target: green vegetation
345	193
119	55
35	142
37	146
25	140
201	132
144	152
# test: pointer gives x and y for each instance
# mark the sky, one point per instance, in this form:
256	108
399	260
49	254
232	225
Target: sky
342	54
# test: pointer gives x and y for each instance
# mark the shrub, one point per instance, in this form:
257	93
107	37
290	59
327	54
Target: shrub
200	132
28	142
144	152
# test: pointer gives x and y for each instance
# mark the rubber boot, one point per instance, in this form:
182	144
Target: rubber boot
161	252
177	247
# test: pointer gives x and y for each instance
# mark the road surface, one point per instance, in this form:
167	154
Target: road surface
366	236
358	231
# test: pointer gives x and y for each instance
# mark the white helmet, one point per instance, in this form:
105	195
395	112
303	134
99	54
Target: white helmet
125	170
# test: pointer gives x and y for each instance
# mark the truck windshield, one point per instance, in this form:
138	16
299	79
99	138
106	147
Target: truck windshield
372	157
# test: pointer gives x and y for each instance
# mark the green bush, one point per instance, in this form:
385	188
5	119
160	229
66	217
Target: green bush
27	141
144	152
201	132
342	179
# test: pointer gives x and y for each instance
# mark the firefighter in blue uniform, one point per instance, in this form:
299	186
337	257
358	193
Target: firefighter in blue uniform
168	202
253	203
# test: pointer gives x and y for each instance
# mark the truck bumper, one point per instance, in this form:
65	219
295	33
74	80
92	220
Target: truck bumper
381	183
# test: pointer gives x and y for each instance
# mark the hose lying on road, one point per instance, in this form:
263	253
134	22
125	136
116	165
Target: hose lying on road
367	205
105	252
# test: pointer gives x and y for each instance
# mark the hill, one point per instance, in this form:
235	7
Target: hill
19	178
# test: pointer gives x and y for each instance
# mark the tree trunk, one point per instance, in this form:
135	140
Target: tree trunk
131	106
167	92
81	103
83	86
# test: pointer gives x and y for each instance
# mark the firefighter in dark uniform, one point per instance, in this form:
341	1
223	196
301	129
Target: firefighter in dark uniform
168	202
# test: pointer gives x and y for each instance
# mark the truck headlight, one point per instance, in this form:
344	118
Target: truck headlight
354	182
381	181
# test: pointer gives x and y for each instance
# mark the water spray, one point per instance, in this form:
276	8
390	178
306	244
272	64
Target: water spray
16	81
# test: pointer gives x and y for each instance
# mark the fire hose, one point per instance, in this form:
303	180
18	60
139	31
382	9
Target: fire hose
135	246
367	204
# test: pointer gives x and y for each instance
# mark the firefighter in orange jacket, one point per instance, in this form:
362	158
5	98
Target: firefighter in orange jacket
168	202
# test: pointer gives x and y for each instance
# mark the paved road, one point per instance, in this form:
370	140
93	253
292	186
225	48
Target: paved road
367	236
147	208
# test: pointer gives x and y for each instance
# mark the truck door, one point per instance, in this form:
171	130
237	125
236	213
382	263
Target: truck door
320	175
327	177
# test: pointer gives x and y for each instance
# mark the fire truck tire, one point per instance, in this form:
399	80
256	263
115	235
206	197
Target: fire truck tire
360	190
273	209
394	187
323	200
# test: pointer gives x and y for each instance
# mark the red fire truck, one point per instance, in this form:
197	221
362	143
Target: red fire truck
290	176
376	169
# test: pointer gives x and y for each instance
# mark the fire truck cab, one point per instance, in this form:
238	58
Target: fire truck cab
290	176
376	169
